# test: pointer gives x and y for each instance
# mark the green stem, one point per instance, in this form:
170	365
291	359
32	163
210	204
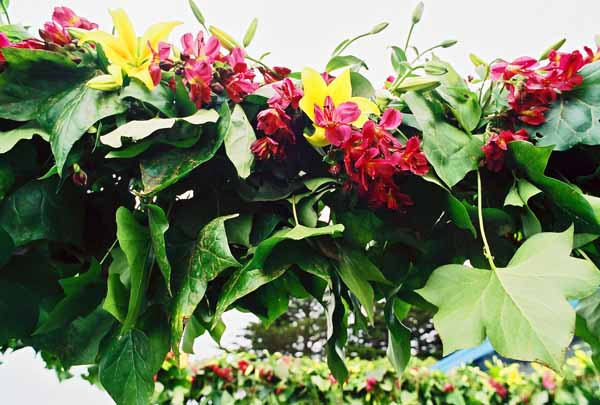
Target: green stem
410	31
5	11
261	63
421	54
400	80
356	38
109	250
486	247
294	209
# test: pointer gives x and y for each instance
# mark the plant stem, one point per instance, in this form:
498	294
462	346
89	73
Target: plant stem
109	250
486	247
294	209
259	62
410	31
401	79
5	11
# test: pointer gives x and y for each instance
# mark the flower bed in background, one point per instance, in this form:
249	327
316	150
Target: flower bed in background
242	379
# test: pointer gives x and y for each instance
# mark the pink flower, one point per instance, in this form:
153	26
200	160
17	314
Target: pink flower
54	33
413	159
4	43
548	381
66	17
199	50
243	365
497	145
198	76
158	57
238	81
370	384
286	94
448	388
498	387
336	120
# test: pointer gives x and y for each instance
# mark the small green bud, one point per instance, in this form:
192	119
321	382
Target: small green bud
378	28
554	47
448	43
418	12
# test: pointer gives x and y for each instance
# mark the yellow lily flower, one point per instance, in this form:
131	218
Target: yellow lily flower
126	50
340	91
109	82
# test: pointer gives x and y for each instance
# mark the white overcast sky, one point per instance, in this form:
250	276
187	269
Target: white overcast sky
301	33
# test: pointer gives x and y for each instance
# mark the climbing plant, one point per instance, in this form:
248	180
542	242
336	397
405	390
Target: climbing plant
147	186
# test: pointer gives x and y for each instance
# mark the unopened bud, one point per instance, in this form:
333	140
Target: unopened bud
224	38
418	12
418	84
448	43
378	28
554	47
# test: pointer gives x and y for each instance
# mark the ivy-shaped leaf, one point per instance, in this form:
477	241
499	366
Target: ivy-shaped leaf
574	118
522	309
161	97
134	240
451	152
211	255
137	130
532	161
159	224
9	139
125	368
238	138
253	275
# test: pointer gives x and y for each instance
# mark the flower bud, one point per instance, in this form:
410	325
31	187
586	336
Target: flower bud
418	84
226	40
554	47
476	60
109	82
448	43
435	69
378	28
417	13
597	40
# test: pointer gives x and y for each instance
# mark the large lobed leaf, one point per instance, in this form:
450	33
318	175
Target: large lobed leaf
574	118
522	309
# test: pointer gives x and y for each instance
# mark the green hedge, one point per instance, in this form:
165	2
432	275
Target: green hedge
242	379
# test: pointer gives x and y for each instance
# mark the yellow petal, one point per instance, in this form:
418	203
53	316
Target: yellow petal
114	50
315	91
318	138
367	107
155	34
143	74
125	31
340	89
109	82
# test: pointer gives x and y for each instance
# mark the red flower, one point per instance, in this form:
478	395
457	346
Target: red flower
370	384
158	57
331	379
55	33
224	373
266	148
243	365
265	374
198	76
413	158
66	17
336	120
498	387
272	120
448	388
497	145
199	50
238	80
524	66
275	74
279	390
327	77
286	94
4	43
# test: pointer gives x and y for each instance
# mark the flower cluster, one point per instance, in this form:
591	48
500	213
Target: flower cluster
374	159
27	43
496	147
224	373
531	87
276	121
55	31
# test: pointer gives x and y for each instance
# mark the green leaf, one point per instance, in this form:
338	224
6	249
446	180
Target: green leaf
361	86
238	136
574	118
459	215
117	295
125	369
249	35
398	350
35	211
351	62
532	161
7	179
451	152
7	247
32	78
337	334
356	270
161	97
9	139
588	323
239	230
170	167
71	113
253	275
529	296
463	102
159	224
399	62
134	240
211	255
18	309
193	329
136	130
15	33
